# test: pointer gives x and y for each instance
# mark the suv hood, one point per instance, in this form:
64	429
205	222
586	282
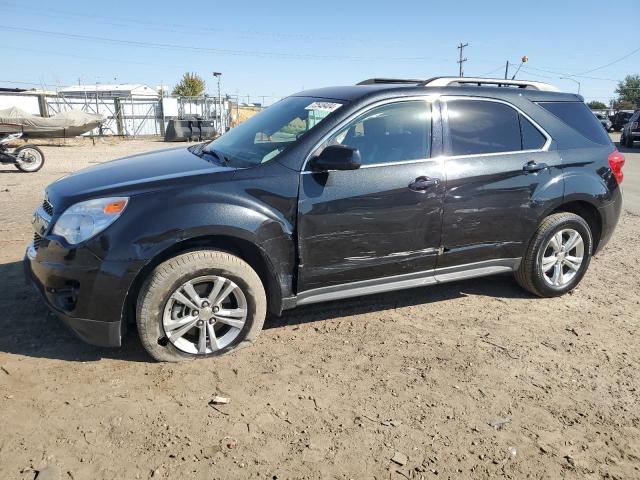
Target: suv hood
135	174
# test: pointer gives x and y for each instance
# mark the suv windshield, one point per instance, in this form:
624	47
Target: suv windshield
266	135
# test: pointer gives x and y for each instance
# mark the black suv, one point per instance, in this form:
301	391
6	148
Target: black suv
328	194
631	131
619	120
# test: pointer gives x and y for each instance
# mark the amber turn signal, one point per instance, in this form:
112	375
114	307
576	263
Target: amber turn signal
114	207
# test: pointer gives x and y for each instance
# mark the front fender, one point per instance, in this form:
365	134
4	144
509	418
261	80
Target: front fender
155	223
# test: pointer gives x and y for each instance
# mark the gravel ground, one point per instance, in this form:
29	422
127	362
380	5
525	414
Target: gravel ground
475	379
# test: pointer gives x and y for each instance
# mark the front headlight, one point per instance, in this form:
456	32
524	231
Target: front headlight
83	220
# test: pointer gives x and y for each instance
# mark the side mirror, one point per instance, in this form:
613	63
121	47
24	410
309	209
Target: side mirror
336	157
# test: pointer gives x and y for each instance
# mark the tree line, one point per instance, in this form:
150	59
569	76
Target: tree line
628	91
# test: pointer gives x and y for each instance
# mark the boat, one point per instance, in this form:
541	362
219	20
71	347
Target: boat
62	125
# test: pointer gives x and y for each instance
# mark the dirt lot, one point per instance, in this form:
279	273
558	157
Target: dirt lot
475	379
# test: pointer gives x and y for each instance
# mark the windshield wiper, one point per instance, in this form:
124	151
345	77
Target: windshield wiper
201	150
217	153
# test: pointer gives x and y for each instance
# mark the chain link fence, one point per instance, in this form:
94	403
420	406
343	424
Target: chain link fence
132	116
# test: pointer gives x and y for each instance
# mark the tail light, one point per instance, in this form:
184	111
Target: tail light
616	162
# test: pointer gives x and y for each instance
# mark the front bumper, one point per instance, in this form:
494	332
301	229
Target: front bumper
84	293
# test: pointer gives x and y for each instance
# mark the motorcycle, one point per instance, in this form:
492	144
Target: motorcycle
27	158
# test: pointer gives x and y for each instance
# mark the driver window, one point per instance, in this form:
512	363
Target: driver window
389	133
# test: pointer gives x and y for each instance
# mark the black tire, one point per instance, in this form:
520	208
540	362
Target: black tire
530	275
168	276
35	153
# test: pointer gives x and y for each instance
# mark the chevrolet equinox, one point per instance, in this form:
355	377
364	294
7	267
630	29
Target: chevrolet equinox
328	194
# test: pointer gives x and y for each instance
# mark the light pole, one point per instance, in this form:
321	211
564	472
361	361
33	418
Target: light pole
523	60
573	80
218	75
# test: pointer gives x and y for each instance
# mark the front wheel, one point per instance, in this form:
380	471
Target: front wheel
200	304
558	256
29	158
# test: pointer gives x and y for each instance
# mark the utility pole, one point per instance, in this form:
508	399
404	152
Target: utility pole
217	75
506	71
461	60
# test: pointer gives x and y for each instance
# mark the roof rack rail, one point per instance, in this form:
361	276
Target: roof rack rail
374	81
479	81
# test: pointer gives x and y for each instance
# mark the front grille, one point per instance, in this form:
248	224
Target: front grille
36	241
47	207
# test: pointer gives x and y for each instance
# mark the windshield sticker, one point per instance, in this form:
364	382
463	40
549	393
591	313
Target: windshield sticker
324	106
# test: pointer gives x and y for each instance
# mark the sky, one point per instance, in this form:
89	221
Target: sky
268	50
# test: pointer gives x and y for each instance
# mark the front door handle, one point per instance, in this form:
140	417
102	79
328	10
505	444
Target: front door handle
421	184
532	167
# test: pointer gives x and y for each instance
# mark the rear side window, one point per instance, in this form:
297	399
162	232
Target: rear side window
578	116
478	127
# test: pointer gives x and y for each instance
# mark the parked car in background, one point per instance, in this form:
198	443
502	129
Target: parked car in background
604	120
328	194
631	131
619	120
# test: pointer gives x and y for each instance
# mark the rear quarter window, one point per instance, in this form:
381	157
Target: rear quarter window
532	139
578	116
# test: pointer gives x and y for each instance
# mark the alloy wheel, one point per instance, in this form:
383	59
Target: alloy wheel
205	314
562	257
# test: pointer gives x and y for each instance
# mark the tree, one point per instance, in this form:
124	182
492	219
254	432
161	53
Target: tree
623	105
191	85
629	90
596	105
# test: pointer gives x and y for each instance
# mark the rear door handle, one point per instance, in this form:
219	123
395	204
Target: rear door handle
421	184
533	166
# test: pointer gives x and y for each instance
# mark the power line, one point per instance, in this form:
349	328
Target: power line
614	61
491	71
19	82
529	67
170	27
583	74
101	59
254	53
528	71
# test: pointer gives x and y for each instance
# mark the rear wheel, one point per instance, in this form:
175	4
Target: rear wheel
29	158
200	304
558	256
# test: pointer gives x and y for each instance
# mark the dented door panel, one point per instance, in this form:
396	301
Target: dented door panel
367	223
